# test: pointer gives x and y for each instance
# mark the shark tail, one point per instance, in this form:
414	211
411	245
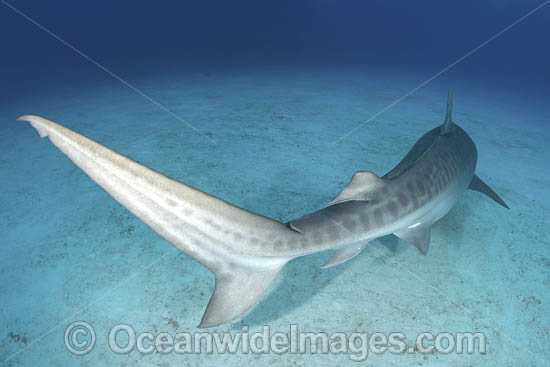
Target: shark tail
233	243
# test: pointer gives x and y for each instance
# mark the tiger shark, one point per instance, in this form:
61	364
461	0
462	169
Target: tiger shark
246	251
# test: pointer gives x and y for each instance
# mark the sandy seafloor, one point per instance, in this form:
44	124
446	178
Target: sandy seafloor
70	252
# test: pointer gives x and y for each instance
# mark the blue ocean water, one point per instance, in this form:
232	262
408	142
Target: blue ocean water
290	99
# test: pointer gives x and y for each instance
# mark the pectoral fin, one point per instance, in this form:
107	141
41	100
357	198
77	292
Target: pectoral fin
419	237
344	254
478	185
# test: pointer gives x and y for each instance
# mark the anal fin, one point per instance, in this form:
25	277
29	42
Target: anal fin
478	185
344	254
418	236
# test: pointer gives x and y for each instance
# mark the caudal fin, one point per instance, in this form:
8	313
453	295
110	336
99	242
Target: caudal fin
235	244
238	288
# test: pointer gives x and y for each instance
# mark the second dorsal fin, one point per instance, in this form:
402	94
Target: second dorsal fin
359	188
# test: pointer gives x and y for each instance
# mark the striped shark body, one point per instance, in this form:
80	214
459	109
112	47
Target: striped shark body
246	251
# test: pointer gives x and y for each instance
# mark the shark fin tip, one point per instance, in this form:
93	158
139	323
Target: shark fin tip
37	122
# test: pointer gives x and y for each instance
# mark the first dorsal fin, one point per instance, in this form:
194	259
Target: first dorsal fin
448	124
362	183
